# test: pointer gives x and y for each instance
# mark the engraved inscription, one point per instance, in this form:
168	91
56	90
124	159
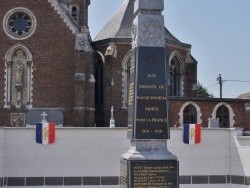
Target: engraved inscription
153	120
123	173
150	109
131	97
151	76
160	174
151	117
131	94
147	87
152	87
147	101
159	98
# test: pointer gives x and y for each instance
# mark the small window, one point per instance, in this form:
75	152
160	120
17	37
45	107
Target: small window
190	114
74	13
223	115
175	77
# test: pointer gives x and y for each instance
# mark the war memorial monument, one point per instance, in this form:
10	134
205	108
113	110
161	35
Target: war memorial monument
148	163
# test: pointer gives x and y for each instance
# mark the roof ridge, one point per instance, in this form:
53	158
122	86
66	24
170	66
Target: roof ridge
114	24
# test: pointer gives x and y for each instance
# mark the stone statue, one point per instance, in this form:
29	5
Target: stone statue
112	112
19	72
112	120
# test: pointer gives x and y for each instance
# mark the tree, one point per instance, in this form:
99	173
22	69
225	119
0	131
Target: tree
203	92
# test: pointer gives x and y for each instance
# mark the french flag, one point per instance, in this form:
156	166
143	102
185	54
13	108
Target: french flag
45	133
192	133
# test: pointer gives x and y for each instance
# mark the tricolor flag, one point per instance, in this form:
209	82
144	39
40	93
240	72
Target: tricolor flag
45	133
192	133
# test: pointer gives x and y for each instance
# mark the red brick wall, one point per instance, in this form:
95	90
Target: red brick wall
247	120
207	106
55	62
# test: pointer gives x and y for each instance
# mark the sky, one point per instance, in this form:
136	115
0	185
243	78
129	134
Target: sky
218	30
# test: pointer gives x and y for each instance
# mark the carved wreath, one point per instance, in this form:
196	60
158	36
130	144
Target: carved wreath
151	29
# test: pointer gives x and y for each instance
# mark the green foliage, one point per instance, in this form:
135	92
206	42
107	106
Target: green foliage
203	92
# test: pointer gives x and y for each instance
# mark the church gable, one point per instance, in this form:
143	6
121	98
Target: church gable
68	12
44	46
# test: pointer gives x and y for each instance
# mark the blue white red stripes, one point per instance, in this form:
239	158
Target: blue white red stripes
45	133
192	133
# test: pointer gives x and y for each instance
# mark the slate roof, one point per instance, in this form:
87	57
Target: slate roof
244	96
119	26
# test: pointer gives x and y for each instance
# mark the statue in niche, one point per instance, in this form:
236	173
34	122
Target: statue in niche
18	77
19	72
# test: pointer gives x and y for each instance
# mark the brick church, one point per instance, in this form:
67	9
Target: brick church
51	64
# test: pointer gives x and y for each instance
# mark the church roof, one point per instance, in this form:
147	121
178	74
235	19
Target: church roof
119	26
244	96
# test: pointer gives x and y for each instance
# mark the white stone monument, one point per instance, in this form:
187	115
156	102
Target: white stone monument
112	120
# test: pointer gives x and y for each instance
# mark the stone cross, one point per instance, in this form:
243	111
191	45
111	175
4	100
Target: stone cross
44	120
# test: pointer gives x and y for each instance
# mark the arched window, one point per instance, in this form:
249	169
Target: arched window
128	62
175	77
189	114
74	12
223	114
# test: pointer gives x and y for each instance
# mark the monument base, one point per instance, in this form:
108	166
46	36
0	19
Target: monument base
112	123
149	164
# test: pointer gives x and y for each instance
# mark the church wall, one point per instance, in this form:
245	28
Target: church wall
79	4
1	155
189	71
247	119
55	62
54	58
113	94
120	113
180	50
221	157
191	80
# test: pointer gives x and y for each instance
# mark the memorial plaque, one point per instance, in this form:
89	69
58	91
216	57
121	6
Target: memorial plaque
150	174
123	173
131	97
148	114
213	123
161	174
